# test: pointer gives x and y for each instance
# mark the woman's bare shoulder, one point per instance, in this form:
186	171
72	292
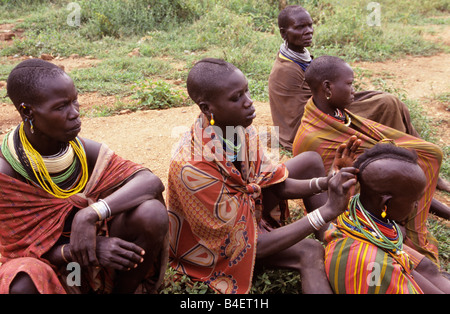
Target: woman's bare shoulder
6	168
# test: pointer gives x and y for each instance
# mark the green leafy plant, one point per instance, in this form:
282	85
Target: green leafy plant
174	283
157	95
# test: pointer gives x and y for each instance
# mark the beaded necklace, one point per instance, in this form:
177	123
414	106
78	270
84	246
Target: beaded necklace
358	223
363	224
231	149
35	168
342	116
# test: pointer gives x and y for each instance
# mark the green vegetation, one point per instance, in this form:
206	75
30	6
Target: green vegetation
170	35
242	32
157	95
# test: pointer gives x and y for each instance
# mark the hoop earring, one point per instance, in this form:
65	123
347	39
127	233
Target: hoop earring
383	212
211	122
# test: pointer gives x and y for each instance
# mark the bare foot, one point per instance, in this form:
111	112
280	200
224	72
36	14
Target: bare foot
443	185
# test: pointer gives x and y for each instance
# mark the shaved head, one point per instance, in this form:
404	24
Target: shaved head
287	13
206	76
390	177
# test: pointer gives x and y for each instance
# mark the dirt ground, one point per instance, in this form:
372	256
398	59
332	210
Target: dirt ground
148	137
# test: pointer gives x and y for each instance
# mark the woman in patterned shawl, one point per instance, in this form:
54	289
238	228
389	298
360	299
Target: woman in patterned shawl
223	193
67	201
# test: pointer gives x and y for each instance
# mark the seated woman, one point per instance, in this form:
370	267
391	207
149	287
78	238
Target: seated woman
327	123
365	251
289	93
68	199
223	193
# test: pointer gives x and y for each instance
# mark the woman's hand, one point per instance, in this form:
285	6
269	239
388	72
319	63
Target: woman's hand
346	154
340	189
118	254
83	237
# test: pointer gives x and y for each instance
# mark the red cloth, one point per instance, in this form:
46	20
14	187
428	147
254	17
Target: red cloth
33	220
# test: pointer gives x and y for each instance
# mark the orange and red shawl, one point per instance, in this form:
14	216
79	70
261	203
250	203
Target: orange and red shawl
214	209
33	220
322	133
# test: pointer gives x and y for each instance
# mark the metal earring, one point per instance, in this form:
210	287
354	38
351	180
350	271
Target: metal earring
383	213
212	120
31	128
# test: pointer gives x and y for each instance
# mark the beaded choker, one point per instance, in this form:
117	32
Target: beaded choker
342	116
54	164
231	148
358	223
62	175
302	59
362	224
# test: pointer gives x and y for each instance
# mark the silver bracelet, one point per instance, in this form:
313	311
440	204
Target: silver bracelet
316	219
107	206
317	185
102	209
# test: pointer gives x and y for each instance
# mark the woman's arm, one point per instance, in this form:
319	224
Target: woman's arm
142	186
295	188
338	197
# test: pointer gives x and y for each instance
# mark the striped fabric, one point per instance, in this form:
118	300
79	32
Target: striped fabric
322	133
356	266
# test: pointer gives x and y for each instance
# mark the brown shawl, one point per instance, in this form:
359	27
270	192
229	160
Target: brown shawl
289	93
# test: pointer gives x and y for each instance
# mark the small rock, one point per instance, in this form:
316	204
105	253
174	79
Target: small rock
135	53
125	111
7	36
46	57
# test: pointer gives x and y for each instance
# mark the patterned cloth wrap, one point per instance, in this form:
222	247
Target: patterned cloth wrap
214	209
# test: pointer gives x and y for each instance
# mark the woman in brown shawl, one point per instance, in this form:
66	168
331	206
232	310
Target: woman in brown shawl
288	91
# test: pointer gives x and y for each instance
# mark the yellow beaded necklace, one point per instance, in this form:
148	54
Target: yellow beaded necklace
42	174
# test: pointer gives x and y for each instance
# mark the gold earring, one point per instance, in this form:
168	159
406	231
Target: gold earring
212	120
383	213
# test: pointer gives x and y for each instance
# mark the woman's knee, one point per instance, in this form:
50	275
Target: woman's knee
306	165
150	219
427	267
22	284
310	253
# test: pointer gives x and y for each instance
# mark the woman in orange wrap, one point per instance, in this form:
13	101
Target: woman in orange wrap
223	193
